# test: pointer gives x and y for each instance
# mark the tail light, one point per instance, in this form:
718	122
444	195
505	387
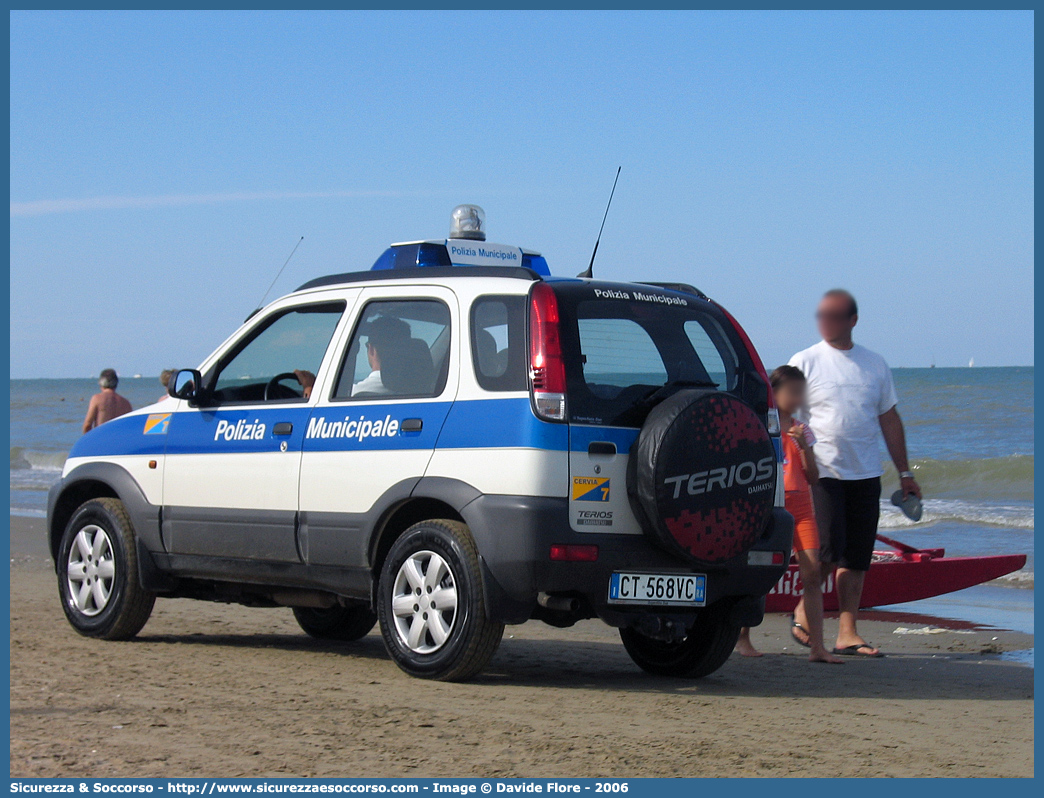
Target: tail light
766	558
572	552
772	422
547	377
772	416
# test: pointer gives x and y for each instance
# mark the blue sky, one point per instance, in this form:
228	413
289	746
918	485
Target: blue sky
163	165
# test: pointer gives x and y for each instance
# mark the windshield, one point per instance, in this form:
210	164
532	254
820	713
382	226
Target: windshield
624	348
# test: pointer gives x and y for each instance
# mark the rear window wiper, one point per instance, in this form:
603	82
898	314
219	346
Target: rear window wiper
656	395
635	413
686	384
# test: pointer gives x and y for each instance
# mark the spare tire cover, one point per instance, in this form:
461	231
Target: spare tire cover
702	476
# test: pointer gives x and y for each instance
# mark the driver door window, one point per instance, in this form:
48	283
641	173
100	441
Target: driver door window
262	368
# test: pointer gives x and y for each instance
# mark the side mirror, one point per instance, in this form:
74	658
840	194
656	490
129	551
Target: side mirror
186	384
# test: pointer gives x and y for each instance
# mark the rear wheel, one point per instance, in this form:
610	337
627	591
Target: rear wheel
703	651
431	606
98	573
336	623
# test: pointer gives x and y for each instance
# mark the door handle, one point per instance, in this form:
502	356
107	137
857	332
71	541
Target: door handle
601	447
412	424
283	428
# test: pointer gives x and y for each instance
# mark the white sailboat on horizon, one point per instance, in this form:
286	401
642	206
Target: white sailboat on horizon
971	363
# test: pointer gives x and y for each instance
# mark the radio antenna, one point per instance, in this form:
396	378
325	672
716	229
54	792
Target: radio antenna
590	265
265	295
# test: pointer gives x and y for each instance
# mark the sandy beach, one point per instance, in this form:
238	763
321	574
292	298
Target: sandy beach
214	690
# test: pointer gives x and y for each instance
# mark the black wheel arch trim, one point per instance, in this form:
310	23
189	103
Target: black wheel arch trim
452	492
97	480
457	495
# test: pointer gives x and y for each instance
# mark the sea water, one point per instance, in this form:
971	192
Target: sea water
969	433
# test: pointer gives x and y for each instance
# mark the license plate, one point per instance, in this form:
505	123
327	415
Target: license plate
688	590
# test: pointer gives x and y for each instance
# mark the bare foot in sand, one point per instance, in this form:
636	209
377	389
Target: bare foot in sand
745	649
743	645
822	655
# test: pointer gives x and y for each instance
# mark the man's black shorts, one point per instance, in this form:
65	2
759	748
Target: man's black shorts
847	512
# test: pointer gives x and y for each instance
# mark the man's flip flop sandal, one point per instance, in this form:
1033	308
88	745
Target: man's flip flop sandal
795	625
909	504
854	651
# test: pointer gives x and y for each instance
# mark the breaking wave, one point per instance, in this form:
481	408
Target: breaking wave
22	459
996	478
34	470
936	510
1022	579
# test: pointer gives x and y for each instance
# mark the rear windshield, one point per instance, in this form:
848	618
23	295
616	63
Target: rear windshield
622	352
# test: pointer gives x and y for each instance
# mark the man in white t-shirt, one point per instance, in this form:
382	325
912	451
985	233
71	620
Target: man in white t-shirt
850	399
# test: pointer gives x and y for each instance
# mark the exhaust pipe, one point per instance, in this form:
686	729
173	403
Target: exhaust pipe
557	603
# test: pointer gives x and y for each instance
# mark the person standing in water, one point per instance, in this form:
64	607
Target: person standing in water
108	404
799	475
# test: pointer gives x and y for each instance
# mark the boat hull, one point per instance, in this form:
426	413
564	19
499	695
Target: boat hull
898	577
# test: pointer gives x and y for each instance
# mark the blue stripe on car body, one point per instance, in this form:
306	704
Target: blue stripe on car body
121	436
466	424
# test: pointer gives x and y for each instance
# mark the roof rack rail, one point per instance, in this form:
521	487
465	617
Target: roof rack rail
422	273
681	288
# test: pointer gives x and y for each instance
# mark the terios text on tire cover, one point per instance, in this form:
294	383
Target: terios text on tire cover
451	441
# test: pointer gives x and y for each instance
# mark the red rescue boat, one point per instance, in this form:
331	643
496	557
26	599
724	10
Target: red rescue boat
900	574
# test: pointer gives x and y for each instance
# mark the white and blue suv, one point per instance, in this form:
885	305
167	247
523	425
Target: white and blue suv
450	442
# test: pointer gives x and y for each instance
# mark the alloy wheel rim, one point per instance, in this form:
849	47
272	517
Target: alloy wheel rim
424	602
90	571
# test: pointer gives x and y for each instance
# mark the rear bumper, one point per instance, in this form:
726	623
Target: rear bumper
515	534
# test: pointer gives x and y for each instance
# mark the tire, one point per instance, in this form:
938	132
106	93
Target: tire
708	646
336	623
97	569
701	476
439	558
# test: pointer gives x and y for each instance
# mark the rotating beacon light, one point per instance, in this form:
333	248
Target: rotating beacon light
469	221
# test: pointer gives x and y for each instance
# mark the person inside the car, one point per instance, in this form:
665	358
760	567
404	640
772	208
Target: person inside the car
386	334
307	380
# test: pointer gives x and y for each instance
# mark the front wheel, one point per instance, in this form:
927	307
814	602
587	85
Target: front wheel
704	650
430	603
98	573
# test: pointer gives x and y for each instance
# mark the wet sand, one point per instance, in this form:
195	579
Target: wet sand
215	690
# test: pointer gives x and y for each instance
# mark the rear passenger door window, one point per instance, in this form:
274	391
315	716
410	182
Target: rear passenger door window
399	350
498	342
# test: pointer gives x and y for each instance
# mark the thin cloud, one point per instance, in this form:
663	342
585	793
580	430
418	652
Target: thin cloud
43	207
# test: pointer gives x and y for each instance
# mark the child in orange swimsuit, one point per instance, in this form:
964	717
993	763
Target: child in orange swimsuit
799	474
